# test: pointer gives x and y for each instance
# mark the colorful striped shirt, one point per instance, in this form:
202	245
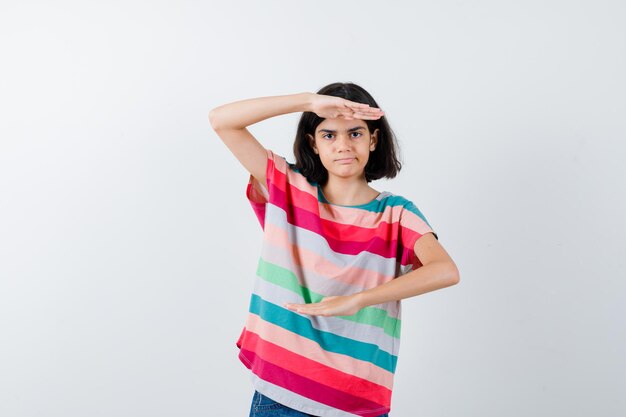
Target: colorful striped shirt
326	366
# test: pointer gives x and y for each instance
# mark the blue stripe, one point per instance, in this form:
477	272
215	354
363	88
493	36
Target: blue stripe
328	341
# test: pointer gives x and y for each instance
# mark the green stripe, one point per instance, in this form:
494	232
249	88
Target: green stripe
282	277
328	341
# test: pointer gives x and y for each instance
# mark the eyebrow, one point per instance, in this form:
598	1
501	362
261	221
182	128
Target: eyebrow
349	130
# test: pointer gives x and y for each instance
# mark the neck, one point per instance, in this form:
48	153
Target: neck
348	192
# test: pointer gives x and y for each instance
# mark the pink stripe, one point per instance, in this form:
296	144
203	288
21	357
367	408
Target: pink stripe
413	224
282	175
296	343
257	199
312	261
315	371
285	179
352	238
306	196
310	221
310	389
379	246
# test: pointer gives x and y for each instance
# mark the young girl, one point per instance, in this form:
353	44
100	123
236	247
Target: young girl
323	329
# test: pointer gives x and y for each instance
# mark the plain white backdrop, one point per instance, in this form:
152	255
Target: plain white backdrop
128	249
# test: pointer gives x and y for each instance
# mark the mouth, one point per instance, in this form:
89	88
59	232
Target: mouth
344	160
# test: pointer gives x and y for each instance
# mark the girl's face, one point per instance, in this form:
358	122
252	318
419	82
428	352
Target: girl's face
344	146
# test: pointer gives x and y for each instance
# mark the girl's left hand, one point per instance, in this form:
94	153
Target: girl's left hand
341	305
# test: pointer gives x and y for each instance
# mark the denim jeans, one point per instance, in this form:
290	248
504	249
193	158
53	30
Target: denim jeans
263	406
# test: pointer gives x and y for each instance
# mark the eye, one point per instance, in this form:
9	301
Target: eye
326	134
357	133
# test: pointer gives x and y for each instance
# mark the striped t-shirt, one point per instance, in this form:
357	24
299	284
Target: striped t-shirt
325	366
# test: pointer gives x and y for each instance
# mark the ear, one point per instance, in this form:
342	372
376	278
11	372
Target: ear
373	140
312	142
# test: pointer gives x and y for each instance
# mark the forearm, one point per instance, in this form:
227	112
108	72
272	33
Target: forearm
431	277
239	114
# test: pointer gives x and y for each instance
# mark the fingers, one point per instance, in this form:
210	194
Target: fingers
338	108
367	114
359	116
364	111
314	309
359	106
362	107
372	111
329	306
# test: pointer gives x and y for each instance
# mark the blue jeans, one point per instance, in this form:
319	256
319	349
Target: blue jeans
263	406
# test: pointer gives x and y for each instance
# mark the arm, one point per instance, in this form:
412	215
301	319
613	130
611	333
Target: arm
438	271
230	121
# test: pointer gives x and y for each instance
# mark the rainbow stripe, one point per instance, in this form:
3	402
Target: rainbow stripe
326	366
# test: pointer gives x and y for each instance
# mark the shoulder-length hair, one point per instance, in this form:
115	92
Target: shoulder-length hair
383	162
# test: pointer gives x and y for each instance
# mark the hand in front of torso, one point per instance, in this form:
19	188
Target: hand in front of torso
343	305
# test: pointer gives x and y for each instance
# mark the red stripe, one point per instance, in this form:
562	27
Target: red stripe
345	239
286	196
318	372
309	203
306	200
258	207
311	221
309	388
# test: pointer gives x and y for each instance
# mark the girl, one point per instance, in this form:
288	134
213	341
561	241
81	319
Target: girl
323	330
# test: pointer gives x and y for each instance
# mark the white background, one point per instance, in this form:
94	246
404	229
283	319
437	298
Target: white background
128	249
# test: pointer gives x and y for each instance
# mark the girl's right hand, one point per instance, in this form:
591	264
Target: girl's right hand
331	107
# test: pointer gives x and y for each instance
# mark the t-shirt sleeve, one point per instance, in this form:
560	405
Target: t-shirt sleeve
259	194
413	225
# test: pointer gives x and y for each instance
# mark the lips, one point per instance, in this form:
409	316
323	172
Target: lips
344	160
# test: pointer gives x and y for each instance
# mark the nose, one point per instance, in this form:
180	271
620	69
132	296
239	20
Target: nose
343	143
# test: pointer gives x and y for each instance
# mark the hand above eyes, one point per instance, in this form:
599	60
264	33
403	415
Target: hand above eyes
344	305
331	107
